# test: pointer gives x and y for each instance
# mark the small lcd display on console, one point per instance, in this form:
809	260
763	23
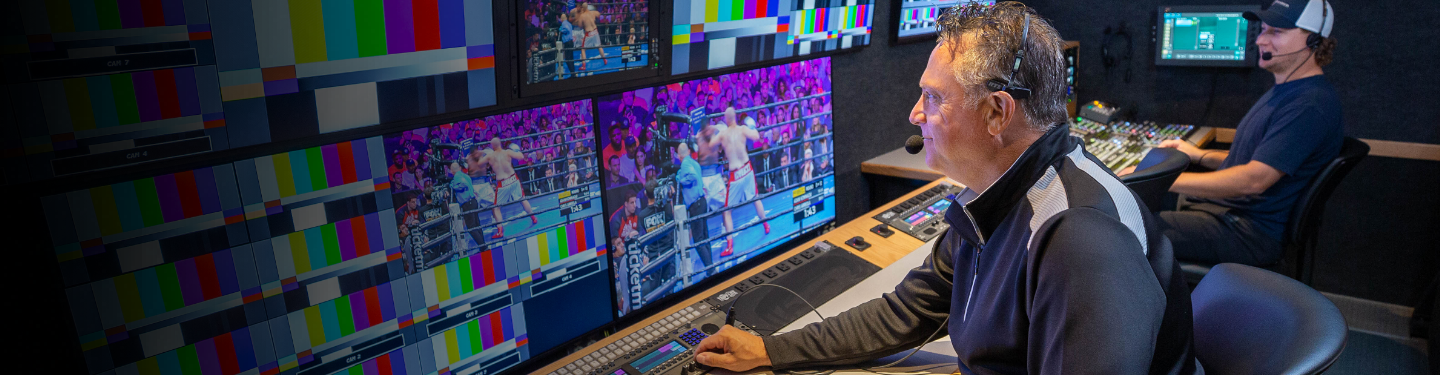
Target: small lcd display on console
939	207
657	357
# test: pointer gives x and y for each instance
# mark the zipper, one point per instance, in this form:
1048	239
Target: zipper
974	265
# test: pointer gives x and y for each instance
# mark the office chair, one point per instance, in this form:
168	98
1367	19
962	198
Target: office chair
1154	181
1252	321
1302	231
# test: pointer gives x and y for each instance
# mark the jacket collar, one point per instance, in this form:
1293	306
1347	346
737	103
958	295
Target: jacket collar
981	213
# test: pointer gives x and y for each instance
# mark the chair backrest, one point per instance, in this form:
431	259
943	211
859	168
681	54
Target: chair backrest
1252	321
1304	224
1153	182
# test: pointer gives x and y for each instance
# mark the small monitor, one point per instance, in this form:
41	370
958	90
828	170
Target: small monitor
915	19
564	45
718	34
1215	36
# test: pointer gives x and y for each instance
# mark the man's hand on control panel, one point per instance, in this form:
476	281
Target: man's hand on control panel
732	349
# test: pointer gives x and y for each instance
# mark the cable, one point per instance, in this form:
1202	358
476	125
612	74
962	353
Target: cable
927	341
730	311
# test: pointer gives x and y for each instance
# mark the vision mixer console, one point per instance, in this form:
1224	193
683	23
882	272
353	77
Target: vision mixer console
1123	144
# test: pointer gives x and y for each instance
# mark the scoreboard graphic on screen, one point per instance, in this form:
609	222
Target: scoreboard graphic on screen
713	34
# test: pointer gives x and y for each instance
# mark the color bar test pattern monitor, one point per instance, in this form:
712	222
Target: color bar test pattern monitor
106	84
380	255
714	34
915	19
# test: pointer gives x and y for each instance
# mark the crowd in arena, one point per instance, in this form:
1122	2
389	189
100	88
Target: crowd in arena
547	148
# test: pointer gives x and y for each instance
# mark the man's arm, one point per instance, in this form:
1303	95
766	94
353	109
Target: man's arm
896	321
1210	159
1095	306
1247	179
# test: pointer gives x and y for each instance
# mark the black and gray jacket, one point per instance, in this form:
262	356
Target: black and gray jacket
1056	268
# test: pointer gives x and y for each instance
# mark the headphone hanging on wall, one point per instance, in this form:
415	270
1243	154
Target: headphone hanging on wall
1109	59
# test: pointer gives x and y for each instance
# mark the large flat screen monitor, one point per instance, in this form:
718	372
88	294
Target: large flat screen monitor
1204	36
702	175
469	247
568	44
503	213
714	34
109	84
915	19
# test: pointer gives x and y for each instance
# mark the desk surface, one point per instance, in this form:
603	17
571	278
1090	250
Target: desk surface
883	252
898	163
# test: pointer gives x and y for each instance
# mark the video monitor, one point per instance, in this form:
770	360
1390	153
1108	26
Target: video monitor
915	19
106	84
703	175
96	85
292	69
1217	36
714	34
569	44
501	216
368	256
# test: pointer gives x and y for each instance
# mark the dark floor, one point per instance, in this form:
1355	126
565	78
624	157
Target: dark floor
1379	341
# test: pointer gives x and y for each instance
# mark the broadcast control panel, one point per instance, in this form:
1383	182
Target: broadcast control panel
664	344
922	216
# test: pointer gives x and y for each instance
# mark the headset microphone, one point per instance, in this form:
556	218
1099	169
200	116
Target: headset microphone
1267	56
914	144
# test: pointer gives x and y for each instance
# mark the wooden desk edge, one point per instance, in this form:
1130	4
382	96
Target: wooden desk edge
900	171
1393	149
1203	136
882	253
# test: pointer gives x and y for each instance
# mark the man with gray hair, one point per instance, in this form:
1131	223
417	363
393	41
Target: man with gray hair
1050	265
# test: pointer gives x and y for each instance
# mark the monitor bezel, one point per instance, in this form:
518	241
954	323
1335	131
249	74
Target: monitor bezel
1251	54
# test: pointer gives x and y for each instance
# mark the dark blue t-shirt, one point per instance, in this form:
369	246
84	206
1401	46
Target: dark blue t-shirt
1295	128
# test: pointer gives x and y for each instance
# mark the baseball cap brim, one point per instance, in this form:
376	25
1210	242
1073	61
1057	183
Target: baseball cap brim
1270	18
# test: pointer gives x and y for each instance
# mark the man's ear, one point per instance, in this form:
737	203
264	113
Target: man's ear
998	108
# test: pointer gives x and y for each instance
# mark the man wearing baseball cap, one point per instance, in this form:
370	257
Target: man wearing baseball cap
1237	213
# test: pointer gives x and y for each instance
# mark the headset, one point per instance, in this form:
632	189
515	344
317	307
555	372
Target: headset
1017	92
1109	59
1312	42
